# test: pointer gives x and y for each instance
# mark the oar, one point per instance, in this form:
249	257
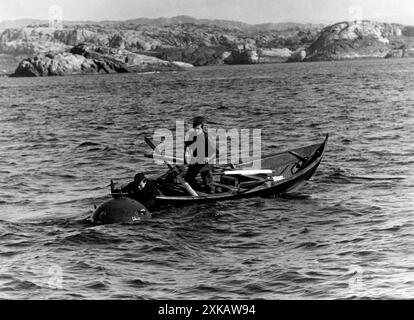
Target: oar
171	159
153	147
179	177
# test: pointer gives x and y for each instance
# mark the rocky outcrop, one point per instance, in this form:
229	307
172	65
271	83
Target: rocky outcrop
402	52
272	55
54	65
196	56
356	39
246	56
298	56
86	59
396	53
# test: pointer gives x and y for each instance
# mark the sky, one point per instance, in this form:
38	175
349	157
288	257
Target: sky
250	11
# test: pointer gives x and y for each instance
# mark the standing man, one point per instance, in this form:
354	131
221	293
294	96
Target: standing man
199	150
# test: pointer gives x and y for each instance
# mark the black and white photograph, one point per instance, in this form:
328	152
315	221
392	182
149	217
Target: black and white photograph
178	150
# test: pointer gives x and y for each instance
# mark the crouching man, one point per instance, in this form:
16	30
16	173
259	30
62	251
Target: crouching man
142	190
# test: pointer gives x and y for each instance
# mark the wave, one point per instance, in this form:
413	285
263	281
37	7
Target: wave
93	237
88	144
342	177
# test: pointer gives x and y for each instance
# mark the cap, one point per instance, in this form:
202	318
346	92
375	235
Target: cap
139	177
198	120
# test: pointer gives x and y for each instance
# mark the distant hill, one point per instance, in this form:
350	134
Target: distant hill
161	37
228	24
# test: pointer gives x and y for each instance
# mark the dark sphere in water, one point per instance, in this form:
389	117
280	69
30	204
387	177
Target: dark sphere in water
120	210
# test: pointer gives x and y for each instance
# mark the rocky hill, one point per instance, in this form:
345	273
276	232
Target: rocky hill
361	39
31	39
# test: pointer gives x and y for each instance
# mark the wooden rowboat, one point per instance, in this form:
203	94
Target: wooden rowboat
280	173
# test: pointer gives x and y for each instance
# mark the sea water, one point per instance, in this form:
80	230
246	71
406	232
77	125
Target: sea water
348	234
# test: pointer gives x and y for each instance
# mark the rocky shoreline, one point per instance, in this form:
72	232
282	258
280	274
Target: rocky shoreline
178	44
90	59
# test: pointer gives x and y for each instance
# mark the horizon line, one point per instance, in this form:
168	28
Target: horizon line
162	17
331	22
